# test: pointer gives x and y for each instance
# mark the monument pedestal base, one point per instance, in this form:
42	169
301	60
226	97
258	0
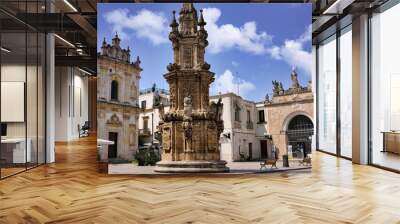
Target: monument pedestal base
197	166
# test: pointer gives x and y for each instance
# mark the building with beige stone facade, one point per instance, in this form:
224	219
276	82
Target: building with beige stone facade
289	117
117	99
253	129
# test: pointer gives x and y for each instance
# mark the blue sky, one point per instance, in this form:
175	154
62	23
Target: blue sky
250	44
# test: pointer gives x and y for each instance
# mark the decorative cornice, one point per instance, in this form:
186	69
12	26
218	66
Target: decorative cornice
124	104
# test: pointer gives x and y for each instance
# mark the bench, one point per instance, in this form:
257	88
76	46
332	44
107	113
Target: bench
271	162
305	161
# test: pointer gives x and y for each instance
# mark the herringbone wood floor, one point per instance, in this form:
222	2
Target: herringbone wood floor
71	191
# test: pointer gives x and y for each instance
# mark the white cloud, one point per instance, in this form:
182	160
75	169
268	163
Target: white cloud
275	52
145	24
293	52
228	36
227	82
306	36
154	27
246	38
235	63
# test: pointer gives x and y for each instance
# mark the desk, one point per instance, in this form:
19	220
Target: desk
391	141
13	150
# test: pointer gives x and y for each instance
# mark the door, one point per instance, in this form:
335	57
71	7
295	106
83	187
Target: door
264	149
250	151
112	149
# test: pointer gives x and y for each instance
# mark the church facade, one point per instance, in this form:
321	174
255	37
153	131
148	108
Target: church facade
117	99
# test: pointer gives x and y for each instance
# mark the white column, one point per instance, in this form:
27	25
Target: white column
360	89
314	90
50	101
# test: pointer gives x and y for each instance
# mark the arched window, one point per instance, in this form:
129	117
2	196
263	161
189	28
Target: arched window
300	122
114	90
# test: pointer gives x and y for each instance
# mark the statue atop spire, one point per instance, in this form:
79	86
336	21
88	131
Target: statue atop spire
188	20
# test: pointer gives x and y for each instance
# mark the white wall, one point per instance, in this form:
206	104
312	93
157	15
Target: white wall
150	112
71	87
239	137
80	94
12	73
261	128
33	126
50	95
16	73
148	97
226	143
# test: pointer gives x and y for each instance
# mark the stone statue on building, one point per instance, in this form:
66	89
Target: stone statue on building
267	98
187	106
275	87
281	90
156	99
218	118
295	81
137	62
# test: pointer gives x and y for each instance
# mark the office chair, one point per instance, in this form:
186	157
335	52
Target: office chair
84	130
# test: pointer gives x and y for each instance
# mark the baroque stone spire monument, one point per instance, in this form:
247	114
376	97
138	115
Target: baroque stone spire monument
190	130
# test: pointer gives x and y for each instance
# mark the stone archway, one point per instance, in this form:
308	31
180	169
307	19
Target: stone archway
292	115
299	131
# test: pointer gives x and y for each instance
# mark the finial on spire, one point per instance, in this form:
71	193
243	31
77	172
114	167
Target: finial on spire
201	23
116	41
173	24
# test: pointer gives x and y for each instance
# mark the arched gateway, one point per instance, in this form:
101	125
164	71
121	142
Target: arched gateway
299	135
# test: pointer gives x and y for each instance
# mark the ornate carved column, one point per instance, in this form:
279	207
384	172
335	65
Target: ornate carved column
191	129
